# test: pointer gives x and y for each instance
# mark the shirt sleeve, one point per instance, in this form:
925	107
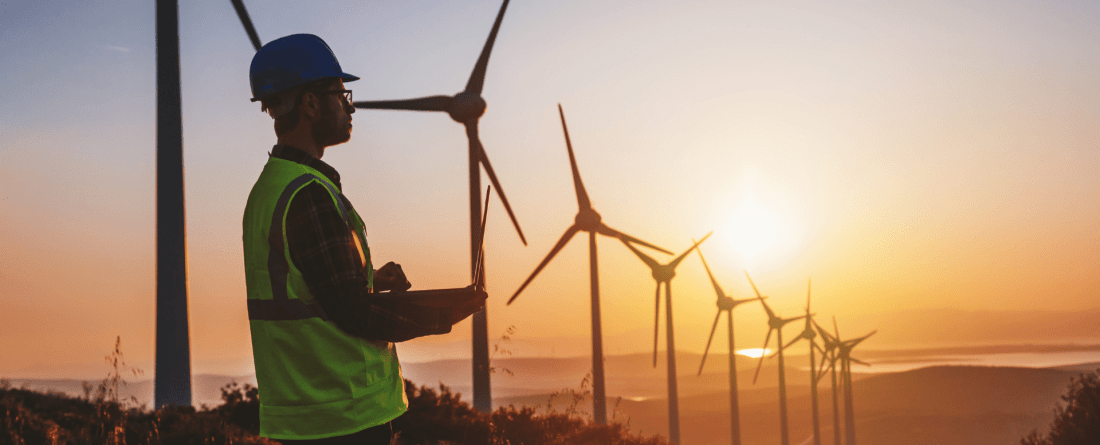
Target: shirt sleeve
322	248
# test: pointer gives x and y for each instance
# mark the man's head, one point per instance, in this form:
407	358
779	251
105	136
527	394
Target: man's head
299	82
321	109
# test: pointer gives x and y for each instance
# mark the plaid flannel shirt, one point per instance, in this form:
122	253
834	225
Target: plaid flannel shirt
322	248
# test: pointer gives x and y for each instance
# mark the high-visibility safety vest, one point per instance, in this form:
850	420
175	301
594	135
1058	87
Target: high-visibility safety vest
314	379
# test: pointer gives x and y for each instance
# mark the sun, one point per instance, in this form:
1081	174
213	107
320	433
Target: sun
757	231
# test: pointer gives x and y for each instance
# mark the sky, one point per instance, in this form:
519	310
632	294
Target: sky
905	155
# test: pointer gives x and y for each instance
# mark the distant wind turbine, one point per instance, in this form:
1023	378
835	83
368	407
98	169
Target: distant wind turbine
844	354
831	344
775	323
587	220
663	273
808	334
725	304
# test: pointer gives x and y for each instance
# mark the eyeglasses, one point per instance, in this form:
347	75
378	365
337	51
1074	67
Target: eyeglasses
346	93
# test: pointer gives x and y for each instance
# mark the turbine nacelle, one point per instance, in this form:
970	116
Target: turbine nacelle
588	220
726	304
465	106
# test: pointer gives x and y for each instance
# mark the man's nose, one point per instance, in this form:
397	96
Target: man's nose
350	107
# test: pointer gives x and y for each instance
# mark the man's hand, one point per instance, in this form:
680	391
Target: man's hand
470	303
390	277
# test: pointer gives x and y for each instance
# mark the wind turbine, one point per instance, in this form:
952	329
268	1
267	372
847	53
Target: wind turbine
664	273
465	107
725	304
775	323
808	334
831	344
172	378
587	220
844	354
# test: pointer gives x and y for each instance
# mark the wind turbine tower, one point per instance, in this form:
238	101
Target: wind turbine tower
172	378
587	220
663	274
725	304
775	323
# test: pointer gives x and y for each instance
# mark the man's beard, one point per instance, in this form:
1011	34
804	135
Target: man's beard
328	131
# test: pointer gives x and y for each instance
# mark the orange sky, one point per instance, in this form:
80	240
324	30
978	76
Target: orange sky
904	156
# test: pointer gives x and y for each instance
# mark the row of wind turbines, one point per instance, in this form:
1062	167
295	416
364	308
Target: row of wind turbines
467	107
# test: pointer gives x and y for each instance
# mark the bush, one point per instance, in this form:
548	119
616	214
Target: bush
443	418
1077	422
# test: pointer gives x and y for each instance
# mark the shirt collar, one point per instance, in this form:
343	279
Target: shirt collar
295	155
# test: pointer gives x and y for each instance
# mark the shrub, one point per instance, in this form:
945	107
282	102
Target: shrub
1077	422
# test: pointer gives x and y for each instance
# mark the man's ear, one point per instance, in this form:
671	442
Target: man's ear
311	106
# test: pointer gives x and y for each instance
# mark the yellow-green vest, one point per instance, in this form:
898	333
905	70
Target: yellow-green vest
314	379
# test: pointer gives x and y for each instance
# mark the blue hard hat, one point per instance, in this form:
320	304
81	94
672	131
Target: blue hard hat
292	61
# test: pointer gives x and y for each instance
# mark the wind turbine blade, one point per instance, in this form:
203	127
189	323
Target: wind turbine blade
429	103
707	349
247	22
837	329
676	262
471	133
481	241
582	195
649	261
762	354
754	289
855	341
557	247
656	322
717	288
607	231
768	309
477	78
788	320
808	284
825	334
790	343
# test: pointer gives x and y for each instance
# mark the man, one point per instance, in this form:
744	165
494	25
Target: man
322	337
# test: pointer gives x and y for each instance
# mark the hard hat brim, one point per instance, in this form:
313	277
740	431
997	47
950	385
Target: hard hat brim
343	76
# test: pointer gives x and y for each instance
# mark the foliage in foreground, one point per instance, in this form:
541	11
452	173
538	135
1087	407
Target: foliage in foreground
442	418
1077	421
435	417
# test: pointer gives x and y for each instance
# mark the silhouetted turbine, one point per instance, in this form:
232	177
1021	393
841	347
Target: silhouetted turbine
725	304
830	347
466	107
663	273
776	324
587	220
808	334
844	354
